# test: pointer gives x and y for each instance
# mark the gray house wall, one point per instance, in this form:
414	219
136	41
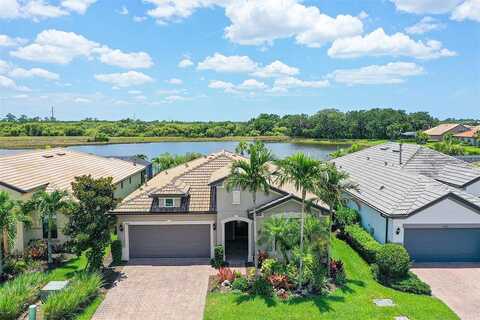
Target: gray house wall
372	220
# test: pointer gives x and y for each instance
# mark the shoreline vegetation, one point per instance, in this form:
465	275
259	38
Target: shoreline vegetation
28	142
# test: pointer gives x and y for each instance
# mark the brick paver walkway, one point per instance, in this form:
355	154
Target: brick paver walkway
157	292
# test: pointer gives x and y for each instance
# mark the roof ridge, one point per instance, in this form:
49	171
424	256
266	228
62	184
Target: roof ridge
413	156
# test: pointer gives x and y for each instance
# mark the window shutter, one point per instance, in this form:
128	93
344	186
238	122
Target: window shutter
236	197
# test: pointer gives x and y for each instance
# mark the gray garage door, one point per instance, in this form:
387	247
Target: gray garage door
169	241
443	244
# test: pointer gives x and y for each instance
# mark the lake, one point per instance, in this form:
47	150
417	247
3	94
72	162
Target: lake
279	149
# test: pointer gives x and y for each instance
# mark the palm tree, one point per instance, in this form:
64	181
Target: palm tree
330	188
241	147
252	175
302	171
8	222
47	205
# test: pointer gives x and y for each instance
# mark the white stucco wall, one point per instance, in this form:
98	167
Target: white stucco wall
474	188
372	221
448	212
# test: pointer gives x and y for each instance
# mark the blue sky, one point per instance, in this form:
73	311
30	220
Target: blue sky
234	59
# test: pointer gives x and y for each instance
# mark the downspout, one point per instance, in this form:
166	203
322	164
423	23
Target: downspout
386	229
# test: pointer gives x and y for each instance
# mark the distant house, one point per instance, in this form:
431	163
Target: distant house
185	211
437	133
21	175
423	199
469	136
137	160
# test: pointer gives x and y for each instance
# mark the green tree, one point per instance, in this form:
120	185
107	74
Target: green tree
421	137
8	222
48	205
303	172
241	147
330	187
88	224
252	175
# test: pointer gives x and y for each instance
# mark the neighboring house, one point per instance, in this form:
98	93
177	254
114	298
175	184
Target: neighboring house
137	160
423	199
21	175
185	211
469	136
437	133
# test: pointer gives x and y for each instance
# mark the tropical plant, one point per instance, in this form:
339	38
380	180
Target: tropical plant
421	137
252	175
88	224
47	205
166	160
331	186
303	172
8	223
241	147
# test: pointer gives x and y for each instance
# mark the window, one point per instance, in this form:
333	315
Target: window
54	228
130	180
168	202
236	197
121	185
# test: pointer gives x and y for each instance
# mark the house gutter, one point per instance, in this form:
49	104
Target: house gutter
386	229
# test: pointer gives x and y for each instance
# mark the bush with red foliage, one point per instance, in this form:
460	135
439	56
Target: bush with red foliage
262	256
280	281
337	272
225	273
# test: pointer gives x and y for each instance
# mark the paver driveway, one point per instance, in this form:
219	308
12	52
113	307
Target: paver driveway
152	290
458	285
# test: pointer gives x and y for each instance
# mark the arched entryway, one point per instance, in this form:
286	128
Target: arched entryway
237	239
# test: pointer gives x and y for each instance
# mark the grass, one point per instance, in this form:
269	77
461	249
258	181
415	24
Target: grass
62	141
89	311
69	268
354	301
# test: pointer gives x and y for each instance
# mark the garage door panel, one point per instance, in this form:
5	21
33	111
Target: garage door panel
443	244
169	241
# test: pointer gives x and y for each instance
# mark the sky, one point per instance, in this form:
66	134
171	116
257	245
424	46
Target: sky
234	59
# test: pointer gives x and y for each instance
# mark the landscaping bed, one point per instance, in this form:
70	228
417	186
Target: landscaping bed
353	301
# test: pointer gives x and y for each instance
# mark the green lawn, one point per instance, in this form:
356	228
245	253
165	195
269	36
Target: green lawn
351	302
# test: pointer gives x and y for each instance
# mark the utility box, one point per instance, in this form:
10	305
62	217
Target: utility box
52	287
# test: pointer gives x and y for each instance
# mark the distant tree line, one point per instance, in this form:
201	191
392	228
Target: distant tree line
325	124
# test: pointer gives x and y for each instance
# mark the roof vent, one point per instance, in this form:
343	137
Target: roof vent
384	148
61	153
386	163
47	156
368	158
382	187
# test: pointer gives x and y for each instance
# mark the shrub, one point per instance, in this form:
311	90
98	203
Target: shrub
362	242
116	248
393	261
217	261
64	304
101	137
262	256
15	265
18	293
280	281
262	287
337	272
37	249
345	216
241	284
270	266
225	274
412	284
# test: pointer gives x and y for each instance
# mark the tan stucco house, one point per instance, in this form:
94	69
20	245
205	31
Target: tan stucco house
437	133
22	174
184	212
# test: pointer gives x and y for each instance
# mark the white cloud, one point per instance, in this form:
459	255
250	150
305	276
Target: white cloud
470	10
425	25
55	46
391	73
291	82
38	9
123	11
82	100
174	10
378	43
140	98
34	72
139	18
252	84
276	69
79	6
174	98
134	92
134	60
9	9
6	41
126	79
21	96
4	66
8	83
41	9
174	81
234	64
185	63
426	6
217	84
262	22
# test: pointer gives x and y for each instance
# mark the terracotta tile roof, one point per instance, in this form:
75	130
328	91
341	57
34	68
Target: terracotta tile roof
468	134
57	168
441	129
198	175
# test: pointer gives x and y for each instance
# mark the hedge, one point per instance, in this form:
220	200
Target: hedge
362	242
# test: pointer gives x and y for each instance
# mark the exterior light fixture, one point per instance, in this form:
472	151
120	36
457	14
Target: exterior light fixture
214	226
397	232
120	227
